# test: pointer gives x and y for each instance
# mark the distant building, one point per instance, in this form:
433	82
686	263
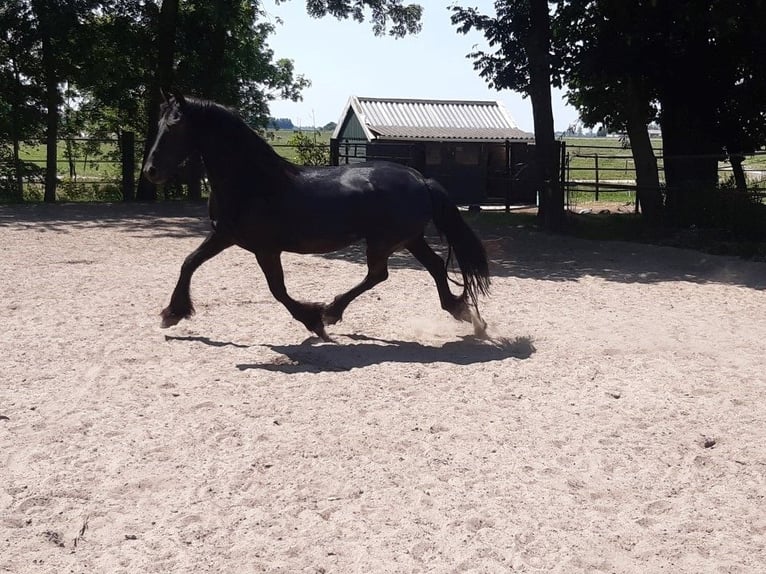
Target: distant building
474	148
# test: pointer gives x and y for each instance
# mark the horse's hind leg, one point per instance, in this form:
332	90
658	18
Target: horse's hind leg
377	272
180	306
457	306
310	314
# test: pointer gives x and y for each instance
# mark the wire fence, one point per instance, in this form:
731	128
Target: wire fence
606	174
87	169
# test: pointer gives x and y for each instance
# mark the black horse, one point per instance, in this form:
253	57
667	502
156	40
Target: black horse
263	203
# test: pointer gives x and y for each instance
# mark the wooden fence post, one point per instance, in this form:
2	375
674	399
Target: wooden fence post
508	174
563	182
595	157
128	145
334	152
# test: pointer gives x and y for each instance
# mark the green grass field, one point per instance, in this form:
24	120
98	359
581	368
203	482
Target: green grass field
99	160
103	163
616	163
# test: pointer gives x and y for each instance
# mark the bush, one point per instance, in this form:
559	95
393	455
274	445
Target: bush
9	189
68	190
309	151
738	214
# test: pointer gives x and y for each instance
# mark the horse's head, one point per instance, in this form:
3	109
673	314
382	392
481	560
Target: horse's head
173	143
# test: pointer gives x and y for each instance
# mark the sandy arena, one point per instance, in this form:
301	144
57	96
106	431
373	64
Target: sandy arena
614	422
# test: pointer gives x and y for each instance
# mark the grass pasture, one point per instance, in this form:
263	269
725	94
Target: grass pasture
615	163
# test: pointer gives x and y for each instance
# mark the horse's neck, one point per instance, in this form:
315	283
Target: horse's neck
222	150
238	161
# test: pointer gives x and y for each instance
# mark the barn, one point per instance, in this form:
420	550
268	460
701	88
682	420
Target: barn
474	148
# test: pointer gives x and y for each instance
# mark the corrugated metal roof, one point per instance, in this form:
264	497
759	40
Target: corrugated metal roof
394	118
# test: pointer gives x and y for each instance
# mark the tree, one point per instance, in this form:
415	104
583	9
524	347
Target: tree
163	76
387	16
520	34
114	55
695	65
20	117
57	23
121	55
223	53
280	123
688	82
40	38
741	118
703	62
602	49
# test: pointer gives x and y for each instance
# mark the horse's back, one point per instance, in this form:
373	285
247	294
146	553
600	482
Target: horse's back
372	186
376	201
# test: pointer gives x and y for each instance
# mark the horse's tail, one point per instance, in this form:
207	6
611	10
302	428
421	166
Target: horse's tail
468	248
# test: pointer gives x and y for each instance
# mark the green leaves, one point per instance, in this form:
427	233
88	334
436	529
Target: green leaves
387	16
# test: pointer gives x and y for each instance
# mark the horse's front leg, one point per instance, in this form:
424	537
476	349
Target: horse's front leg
181	306
310	314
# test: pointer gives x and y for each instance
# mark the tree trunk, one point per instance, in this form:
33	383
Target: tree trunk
740	180
52	98
648	194
16	132
18	170
551	208
691	160
128	161
166	30
648	191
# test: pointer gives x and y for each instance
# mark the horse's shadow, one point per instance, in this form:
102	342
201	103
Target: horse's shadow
205	340
309	358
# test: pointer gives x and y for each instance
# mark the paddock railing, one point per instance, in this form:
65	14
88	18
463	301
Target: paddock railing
595	172
107	169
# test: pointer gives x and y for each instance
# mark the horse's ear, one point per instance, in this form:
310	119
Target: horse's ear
171	94
180	99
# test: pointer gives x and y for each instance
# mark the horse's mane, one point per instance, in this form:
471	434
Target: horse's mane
264	159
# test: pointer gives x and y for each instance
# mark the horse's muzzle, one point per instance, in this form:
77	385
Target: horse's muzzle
153	174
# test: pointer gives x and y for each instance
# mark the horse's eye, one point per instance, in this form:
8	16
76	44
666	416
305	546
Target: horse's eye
174	117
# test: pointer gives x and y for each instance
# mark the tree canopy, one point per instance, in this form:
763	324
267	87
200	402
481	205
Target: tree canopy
112	56
387	16
520	59
696	66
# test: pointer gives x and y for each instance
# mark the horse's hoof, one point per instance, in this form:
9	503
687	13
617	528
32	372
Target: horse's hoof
321	333
169	319
169	322
479	327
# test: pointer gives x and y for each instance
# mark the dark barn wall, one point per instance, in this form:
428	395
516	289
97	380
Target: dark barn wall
461	167
471	172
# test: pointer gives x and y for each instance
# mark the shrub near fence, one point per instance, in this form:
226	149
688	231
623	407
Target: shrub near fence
88	169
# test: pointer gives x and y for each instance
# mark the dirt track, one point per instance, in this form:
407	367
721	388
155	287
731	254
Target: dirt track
614	422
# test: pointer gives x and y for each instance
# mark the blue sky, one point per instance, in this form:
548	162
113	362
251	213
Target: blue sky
344	58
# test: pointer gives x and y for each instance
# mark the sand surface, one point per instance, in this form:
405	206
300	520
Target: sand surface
614	422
